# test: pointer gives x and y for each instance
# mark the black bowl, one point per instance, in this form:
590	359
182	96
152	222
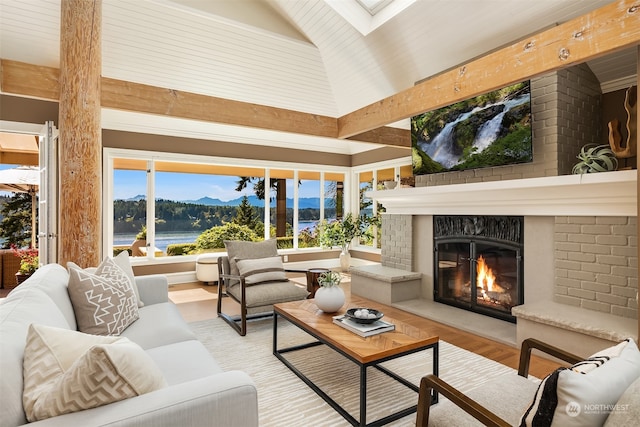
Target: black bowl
351	314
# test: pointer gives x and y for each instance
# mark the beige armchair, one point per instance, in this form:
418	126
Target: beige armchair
608	380
252	274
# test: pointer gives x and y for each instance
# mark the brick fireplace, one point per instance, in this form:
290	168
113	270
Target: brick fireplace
579	231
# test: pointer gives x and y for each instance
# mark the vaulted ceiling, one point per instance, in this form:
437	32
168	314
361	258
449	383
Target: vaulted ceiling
321	57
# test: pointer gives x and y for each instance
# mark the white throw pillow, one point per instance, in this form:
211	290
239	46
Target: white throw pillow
66	371
586	393
104	303
261	270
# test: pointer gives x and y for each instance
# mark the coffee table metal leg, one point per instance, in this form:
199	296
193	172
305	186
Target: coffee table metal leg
274	341
363	395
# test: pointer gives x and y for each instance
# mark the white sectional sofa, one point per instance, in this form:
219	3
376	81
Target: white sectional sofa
197	392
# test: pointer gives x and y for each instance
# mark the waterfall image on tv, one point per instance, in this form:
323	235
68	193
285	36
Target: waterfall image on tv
493	129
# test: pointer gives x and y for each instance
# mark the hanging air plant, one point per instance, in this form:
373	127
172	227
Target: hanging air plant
595	158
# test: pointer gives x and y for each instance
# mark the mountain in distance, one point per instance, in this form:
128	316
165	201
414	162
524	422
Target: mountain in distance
303	202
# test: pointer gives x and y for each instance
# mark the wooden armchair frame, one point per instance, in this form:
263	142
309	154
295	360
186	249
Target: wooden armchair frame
485	416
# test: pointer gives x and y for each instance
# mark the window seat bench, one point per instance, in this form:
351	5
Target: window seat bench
383	284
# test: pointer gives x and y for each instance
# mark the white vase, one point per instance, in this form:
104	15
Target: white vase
329	298
345	259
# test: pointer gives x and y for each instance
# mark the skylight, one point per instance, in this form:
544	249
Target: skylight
367	15
374	6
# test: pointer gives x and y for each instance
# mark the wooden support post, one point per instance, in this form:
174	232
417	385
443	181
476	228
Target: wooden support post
80	136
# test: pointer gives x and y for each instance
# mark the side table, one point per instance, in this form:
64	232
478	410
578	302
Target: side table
312	280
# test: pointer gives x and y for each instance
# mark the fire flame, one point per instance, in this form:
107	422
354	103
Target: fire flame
485	279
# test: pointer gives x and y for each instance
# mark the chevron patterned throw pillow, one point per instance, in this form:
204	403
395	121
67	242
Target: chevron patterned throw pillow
66	371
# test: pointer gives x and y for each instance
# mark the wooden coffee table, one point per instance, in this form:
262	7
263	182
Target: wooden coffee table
365	352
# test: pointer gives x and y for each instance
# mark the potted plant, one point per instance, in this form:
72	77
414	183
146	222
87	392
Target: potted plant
595	158
329	279
330	296
29	263
340	232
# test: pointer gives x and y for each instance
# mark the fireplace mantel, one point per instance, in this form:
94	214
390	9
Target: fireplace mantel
600	194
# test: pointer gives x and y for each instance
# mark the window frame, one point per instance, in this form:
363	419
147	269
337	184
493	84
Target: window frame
372	168
110	154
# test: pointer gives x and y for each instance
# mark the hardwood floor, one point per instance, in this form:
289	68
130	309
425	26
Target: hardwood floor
198	302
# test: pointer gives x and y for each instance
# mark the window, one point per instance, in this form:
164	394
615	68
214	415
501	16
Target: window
167	208
310	208
374	177
130	206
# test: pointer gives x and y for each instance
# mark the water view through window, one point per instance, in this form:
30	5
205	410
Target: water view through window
195	211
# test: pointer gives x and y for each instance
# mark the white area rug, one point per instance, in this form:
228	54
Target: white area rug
285	401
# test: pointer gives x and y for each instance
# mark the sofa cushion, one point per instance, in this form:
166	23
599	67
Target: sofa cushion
584	394
20	309
262	297
163	317
261	270
237	249
626	412
66	371
52	279
198	364
104	302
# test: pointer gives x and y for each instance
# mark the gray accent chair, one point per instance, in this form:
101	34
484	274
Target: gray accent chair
256	301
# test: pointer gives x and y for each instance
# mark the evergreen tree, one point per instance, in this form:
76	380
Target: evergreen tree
15	226
246	214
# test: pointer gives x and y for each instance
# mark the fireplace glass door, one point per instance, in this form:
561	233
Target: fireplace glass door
479	276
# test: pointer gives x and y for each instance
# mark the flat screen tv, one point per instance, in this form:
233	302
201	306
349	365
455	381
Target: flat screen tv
493	129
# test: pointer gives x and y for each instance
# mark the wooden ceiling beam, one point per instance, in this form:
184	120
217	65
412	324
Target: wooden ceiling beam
42	82
386	135
605	30
142	98
29	80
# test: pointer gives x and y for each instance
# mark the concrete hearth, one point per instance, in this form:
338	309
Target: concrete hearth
385	284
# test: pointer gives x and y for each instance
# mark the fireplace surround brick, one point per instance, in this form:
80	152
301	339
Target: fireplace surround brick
397	250
596	264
